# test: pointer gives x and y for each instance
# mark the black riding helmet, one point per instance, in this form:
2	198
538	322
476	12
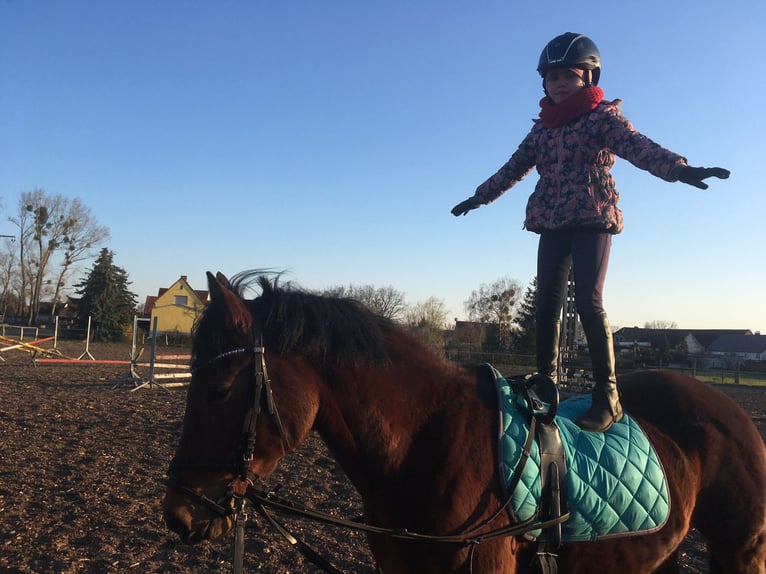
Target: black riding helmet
571	50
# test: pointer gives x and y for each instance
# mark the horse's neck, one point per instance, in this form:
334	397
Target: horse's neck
383	421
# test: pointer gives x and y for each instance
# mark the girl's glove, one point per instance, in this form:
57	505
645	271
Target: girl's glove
465	206
695	175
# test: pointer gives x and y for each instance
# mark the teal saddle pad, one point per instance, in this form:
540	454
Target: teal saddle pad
616	484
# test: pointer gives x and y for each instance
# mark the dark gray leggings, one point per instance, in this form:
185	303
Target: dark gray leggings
588	253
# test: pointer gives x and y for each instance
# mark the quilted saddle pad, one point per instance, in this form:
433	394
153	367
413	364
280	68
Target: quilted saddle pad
616	483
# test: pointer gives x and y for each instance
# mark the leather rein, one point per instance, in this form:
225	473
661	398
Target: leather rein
242	488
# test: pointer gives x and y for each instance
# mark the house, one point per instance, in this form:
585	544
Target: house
474	335
66	311
692	341
636	347
746	347
176	308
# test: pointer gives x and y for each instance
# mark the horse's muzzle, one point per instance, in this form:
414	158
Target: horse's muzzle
193	523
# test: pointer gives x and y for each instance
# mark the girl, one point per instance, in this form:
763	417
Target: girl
574	205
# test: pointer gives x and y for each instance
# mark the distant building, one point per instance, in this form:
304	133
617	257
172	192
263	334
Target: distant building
474	335
66	311
745	347
176	308
693	341
637	347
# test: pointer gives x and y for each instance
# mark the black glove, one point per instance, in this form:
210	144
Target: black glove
465	206
695	175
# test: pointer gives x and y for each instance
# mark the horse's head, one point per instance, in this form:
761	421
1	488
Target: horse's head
234	430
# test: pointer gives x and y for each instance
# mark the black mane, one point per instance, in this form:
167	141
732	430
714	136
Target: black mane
339	330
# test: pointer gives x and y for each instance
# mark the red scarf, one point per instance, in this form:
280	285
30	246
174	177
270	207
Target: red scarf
579	103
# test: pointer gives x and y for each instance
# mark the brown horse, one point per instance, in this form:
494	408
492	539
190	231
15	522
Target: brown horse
417	437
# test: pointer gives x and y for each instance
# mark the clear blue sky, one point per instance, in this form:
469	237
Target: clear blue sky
332	138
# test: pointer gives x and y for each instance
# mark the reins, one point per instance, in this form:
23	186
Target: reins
474	536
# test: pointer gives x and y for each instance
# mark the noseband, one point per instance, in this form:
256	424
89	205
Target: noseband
261	397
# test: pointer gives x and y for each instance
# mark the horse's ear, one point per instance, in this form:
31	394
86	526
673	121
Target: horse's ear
222	279
218	285
222	297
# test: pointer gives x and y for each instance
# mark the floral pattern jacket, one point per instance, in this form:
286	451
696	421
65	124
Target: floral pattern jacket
576	188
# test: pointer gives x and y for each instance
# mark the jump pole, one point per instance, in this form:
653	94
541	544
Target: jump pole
151	382
132	375
55	349
87	344
32	348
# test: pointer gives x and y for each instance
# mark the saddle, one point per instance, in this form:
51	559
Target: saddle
610	484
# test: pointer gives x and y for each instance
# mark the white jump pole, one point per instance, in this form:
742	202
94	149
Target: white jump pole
151	382
87	344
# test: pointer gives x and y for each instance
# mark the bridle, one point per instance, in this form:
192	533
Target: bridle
233	502
242	487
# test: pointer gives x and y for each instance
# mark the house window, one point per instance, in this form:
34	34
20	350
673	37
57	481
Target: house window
181	300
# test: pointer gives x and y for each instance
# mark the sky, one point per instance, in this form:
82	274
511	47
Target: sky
330	139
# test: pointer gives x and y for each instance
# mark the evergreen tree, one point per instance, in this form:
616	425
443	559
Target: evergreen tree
524	343
106	299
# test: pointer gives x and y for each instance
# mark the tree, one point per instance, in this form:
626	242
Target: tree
428	320
83	235
7	277
524	342
384	301
50	225
496	303
22	221
660	324
106	299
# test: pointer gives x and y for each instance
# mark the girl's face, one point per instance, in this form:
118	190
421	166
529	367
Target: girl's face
562	83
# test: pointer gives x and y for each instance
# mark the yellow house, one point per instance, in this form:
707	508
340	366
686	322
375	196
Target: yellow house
176	308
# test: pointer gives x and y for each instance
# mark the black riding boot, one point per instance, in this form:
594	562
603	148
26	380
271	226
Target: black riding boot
547	348
606	408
